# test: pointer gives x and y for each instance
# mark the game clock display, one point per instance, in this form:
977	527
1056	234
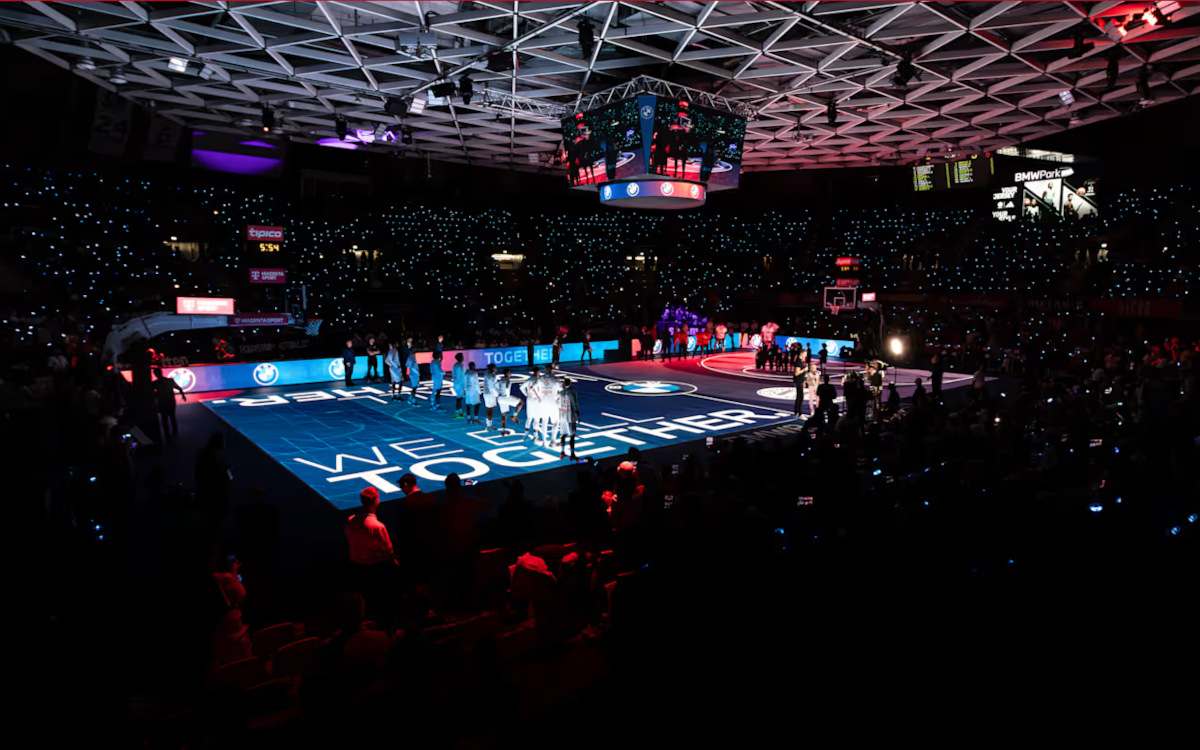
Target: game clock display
264	247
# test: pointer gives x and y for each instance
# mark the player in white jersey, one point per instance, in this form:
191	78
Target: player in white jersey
568	418
549	388
491	391
532	401
505	400
471	393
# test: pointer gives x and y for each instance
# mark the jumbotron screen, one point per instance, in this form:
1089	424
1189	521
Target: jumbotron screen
648	136
603	144
1049	192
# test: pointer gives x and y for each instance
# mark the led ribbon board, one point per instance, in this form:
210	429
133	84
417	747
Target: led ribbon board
652	193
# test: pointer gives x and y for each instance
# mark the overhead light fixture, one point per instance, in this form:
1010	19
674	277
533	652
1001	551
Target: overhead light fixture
1152	17
117	76
416	105
87	64
268	119
442	90
831	113
587	36
406	136
380	132
395	106
1081	45
905	72
501	62
178	64
1067	97
466	89
208	72
1143	85
535	158
340	127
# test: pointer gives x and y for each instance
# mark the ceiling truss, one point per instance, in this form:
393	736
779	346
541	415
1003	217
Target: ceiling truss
986	74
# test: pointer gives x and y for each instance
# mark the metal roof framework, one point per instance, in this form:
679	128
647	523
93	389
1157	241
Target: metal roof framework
990	73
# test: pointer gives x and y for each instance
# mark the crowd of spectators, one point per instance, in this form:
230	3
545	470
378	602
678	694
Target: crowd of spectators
1070	451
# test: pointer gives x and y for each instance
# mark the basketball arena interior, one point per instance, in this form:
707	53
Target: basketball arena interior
519	374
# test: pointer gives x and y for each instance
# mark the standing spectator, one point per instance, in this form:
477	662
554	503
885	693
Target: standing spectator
164	393
213	480
666	343
919	393
348	361
418	525
827	399
823	357
371	553
681	341
458	539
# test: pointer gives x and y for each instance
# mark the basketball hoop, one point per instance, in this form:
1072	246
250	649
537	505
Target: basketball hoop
835	309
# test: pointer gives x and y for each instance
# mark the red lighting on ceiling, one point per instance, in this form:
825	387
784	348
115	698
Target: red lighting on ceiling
1150	18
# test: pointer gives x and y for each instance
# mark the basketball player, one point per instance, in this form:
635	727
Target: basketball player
587	347
549	388
458	380
530	392
392	364
414	375
491	392
435	370
506	401
471	393
568	417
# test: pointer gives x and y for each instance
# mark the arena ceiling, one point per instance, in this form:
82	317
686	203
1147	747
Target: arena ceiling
983	74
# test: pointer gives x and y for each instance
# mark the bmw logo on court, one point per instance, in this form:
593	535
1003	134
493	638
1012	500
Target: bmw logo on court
650	388
337	369
266	374
185	378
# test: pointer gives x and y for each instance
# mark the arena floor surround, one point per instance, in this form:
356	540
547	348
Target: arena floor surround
339	440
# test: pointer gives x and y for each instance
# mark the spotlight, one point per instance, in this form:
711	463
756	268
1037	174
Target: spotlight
1067	97
416	105
395	106
87	64
896	346
466	89
268	119
178	64
117	76
831	113
442	90
587	36
340	127
208	72
1152	17
380	132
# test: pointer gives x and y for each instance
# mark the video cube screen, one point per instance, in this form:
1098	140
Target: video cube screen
604	144
696	143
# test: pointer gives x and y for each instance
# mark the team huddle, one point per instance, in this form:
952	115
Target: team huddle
550	404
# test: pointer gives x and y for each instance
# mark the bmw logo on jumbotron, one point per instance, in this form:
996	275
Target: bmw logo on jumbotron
606	192
184	378
650	388
337	369
667	188
266	374
632	189
696	191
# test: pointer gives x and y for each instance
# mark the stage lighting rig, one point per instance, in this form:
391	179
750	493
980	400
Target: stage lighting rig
466	88
831	113
1112	71
86	64
340	127
442	90
587	36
